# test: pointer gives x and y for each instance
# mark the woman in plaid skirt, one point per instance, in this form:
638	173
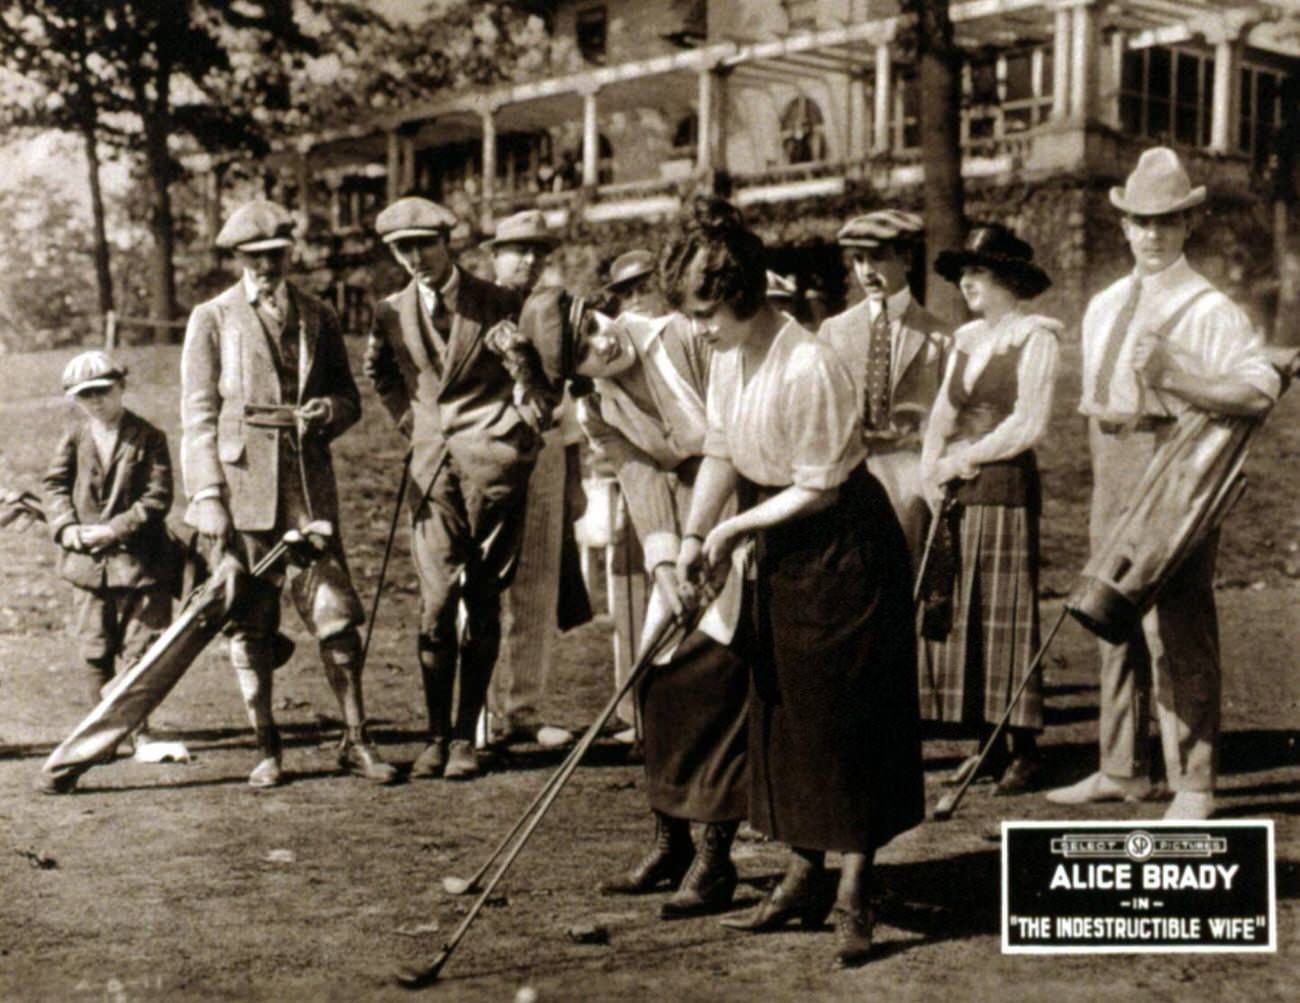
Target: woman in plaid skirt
979	469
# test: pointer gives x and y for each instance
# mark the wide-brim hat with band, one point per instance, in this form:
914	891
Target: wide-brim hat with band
880	228
995	247
1158	186
90	370
527	227
628	267
413	216
780	287
260	225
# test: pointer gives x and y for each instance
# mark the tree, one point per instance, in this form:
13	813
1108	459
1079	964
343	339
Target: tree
939	65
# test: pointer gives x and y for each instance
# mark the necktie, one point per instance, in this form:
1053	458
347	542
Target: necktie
876	415
1114	342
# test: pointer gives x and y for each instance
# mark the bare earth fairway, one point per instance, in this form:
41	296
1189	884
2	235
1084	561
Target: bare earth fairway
178	882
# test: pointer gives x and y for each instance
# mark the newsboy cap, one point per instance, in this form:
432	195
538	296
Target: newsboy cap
259	225
878	228
527	227
413	216
90	370
628	267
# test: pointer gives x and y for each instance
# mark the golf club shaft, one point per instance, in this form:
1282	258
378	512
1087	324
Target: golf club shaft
950	804
935	518
383	564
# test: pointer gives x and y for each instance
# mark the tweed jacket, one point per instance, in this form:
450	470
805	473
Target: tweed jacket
228	363
921	358
132	495
458	401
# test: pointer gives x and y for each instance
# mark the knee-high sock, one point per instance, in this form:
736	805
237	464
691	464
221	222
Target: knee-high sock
438	670
341	657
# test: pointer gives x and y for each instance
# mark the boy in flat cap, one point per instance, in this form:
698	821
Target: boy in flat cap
266	387
474	440
1158	343
895	350
107	494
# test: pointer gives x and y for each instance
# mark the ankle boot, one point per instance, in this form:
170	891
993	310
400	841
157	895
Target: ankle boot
711	881
358	756
267	772
667	861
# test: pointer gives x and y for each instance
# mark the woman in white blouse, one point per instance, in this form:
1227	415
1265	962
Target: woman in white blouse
979	468
833	731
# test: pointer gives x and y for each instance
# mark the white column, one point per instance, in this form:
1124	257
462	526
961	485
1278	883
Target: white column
1061	65
1083	65
489	159
393	181
884	100
1110	109
1226	81
590	141
704	120
857	124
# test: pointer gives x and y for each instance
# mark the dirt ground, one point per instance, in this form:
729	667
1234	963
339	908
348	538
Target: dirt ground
178	882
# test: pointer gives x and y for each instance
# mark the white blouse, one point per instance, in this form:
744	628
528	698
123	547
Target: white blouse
796	419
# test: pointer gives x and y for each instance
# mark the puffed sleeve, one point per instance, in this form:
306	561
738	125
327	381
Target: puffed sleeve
717	406
820	417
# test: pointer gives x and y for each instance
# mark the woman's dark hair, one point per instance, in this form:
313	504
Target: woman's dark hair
715	257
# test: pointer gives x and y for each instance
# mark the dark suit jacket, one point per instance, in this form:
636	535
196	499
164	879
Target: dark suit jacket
228	362
132	495
460	402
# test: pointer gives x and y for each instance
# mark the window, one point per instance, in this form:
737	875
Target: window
1261	111
803	132
592	29
686	136
1167	94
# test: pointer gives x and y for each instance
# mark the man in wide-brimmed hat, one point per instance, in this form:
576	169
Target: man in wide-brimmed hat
519	248
473	440
895	350
1157	343
265	388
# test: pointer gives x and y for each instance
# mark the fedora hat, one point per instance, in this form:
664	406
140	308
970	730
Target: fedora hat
413	216
527	227
995	247
259	225
1158	185
629	266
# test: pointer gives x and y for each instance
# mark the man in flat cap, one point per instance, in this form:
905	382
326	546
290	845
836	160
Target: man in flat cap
1158	343
896	350
474	438
265	389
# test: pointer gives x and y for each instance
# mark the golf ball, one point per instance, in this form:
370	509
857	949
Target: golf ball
526	994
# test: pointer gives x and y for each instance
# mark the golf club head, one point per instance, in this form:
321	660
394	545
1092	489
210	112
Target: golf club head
943	811
412	977
453	885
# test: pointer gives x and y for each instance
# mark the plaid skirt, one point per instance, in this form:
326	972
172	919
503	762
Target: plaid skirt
971	676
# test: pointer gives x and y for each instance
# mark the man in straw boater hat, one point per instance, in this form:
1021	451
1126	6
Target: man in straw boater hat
895	350
520	248
1157	343
265	389
474	436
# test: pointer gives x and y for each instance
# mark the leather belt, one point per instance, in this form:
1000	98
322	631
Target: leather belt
272	416
1142	423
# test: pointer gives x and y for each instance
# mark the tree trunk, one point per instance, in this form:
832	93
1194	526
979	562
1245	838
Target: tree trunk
158	164
940	113
103	268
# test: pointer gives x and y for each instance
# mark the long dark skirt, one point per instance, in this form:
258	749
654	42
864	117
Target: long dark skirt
834	734
694	713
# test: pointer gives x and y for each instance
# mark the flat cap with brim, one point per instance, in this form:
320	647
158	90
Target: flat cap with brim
527	227
993	246
780	287
90	370
413	216
259	225
875	229
1159	185
628	267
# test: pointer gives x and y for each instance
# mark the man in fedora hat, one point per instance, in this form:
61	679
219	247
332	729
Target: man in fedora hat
895	349
1157	343
520	249
474	440
265	389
